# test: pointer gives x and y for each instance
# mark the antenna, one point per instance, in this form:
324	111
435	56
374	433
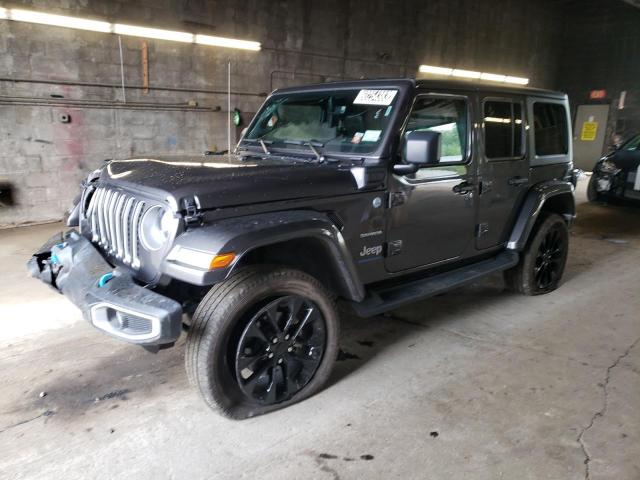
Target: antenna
124	99
229	108
124	94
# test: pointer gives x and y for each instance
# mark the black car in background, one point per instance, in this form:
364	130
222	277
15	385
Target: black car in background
616	176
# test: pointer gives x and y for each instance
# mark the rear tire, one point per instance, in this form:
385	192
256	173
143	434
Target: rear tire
542	263
262	340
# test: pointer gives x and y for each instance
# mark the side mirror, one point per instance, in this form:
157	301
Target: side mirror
421	149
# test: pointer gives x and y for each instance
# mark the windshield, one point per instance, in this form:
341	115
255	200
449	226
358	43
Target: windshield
340	121
633	144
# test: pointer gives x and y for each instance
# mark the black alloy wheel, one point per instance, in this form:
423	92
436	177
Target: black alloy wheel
264	339
280	349
542	261
549	259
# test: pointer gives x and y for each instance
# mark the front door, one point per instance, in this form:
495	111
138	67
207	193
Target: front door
432	211
503	171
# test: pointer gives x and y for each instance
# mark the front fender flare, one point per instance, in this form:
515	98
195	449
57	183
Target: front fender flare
243	234
534	204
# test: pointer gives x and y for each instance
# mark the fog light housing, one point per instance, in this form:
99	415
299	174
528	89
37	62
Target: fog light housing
124	323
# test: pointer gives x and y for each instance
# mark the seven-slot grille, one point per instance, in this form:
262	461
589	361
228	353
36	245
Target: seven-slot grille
114	217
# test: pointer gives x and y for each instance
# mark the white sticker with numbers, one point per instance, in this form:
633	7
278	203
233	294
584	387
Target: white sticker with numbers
375	97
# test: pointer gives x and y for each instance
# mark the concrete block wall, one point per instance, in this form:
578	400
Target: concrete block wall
49	71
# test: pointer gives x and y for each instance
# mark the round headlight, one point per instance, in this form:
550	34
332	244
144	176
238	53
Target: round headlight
156	226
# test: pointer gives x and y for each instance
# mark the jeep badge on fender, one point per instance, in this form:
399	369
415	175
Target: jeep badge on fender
366	251
253	249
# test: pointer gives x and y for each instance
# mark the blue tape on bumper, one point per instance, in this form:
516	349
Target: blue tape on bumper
104	279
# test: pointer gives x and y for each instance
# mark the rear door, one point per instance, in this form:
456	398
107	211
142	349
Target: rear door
504	168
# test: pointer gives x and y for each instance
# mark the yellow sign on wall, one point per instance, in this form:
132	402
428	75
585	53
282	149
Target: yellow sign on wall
589	131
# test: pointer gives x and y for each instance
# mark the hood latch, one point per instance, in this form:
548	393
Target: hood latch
192	215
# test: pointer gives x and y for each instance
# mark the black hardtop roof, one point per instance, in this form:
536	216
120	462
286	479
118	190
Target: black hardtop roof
425	85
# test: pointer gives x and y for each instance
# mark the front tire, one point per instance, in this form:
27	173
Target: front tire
543	261
262	340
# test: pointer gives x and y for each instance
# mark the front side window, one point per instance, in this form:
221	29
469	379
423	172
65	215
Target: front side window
550	129
447	116
502	130
341	121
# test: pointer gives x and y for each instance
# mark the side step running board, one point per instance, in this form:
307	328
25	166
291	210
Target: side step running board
384	299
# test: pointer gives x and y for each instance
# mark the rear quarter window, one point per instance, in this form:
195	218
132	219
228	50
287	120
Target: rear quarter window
550	129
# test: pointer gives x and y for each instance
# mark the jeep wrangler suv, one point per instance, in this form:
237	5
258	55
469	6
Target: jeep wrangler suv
373	193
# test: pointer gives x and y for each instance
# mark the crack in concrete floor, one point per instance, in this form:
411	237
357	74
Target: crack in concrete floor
46	413
600	413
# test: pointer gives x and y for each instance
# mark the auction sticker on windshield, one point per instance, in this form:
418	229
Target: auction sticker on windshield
375	97
371	135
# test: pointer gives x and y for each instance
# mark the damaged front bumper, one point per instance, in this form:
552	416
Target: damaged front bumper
108	298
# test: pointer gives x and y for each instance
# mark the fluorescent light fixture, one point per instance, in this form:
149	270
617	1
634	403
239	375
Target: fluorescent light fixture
517	80
157	33
497	120
227	42
29	16
492	77
57	20
465	73
435	70
461	73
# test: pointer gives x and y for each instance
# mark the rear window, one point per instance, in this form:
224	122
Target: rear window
502	129
550	129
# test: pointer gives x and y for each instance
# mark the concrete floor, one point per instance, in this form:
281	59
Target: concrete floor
474	384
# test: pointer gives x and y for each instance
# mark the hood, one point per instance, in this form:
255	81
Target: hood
625	159
230	180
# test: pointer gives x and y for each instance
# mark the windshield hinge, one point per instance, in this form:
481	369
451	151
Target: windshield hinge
396	199
192	215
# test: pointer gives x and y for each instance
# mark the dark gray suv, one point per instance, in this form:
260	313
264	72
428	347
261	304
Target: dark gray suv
372	193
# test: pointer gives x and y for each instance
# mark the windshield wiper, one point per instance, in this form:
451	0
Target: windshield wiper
312	144
263	143
264	147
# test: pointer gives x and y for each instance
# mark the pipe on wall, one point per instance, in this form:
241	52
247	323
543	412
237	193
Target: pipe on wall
106	104
128	87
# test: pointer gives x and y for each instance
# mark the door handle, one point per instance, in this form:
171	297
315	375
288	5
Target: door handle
517	181
463	188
